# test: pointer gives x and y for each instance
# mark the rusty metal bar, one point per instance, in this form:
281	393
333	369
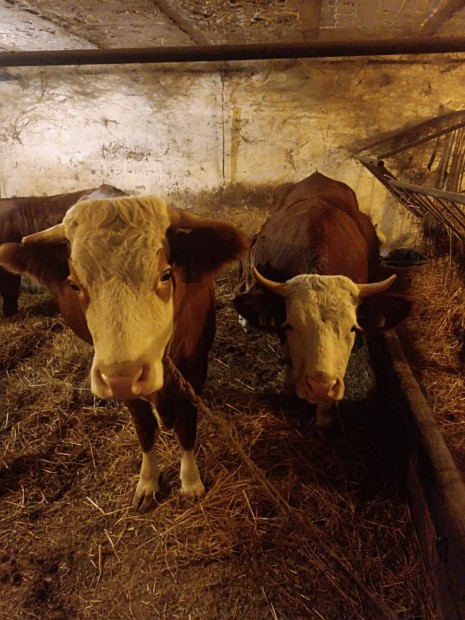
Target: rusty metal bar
215	53
444	206
429	191
415	204
456	215
419	141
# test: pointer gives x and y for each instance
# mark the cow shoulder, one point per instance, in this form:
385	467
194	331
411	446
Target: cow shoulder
207	250
48	263
384	311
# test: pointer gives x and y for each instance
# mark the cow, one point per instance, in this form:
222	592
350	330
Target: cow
22	216
135	278
310	277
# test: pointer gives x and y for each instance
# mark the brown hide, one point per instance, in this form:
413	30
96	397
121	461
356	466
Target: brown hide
196	256
194	319
194	305
316	228
23	216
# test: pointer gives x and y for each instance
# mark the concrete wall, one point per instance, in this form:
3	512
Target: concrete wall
163	128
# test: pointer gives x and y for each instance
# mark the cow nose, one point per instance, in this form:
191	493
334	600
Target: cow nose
121	381
324	389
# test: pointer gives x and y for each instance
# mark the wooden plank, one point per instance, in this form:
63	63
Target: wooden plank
436	487
183	22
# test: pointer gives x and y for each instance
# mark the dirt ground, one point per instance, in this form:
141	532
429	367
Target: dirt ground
334	539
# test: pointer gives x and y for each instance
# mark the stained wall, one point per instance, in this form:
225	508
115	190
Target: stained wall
160	128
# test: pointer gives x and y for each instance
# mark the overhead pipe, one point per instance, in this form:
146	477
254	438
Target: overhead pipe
217	53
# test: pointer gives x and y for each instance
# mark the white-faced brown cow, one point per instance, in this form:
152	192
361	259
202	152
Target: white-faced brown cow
22	216
134	278
309	277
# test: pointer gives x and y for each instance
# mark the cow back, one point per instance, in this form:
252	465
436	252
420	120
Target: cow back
25	215
317	228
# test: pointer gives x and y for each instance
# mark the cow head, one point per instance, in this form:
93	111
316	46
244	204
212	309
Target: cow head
122	252
317	318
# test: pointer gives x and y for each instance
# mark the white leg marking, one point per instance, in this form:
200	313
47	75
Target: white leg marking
244	324
191	484
148	478
324	415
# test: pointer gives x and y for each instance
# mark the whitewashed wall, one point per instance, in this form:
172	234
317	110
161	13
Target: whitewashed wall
163	128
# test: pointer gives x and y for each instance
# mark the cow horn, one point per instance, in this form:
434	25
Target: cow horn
53	234
365	290
186	219
277	288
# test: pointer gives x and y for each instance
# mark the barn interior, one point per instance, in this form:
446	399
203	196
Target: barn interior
223	136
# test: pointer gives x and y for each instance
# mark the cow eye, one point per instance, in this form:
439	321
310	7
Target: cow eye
166	276
74	286
286	327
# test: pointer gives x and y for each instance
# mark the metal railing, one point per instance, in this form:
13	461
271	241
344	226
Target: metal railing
445	207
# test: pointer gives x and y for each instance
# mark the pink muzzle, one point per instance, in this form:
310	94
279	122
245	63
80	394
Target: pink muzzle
123	381
322	389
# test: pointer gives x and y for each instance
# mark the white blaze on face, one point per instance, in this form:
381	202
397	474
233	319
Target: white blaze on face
320	332
119	256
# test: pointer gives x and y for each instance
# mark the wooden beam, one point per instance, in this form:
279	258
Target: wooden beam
440	15
183	22
435	485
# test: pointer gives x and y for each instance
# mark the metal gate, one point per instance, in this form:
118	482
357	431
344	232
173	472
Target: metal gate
429	161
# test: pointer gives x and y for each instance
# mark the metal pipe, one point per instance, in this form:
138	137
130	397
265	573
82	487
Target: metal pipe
429	191
215	53
409	145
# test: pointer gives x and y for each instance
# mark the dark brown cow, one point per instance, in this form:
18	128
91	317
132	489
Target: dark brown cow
134	278
307	278
26	215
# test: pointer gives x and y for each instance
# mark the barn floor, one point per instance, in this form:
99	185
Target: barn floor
333	538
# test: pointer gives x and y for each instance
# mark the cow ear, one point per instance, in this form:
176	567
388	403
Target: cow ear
383	311
206	251
261	310
48	263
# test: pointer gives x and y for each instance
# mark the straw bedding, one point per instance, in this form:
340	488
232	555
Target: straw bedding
292	526
434	342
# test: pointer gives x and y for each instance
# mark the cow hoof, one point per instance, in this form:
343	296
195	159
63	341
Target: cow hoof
144	504
144	498
194	488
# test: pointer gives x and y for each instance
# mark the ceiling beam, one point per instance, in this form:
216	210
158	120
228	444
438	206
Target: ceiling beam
218	53
182	21
440	15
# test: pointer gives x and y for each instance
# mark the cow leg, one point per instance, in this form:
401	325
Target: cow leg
185	430
147	432
9	288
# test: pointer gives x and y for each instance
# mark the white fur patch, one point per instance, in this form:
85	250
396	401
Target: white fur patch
191	484
148	479
107	236
117	247
321	315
